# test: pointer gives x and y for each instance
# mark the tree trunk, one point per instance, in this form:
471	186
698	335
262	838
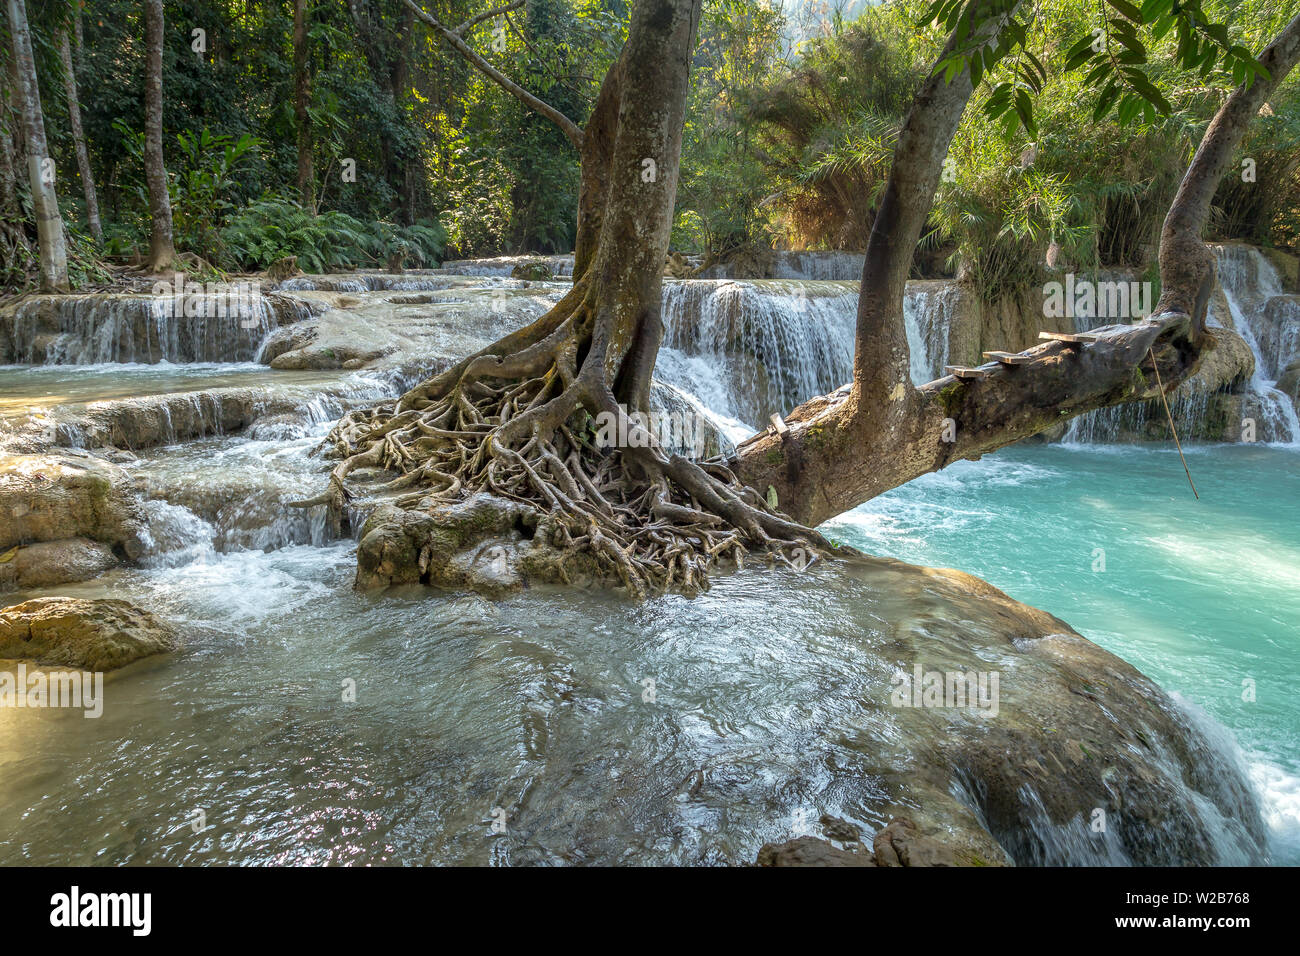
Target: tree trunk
518	421
880	432
79	138
1187	267
162	252
45	204
301	100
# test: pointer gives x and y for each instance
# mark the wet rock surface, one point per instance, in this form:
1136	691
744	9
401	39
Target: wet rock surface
96	635
55	562
68	495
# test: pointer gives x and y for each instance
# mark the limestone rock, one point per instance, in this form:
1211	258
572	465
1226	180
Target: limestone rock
810	851
903	844
96	635
282	269
534	269
69	495
55	562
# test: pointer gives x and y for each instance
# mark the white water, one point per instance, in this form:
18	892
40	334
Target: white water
98	329
1253	289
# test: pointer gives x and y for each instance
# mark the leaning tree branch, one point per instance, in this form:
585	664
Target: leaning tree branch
567	126
847	447
475	20
1187	268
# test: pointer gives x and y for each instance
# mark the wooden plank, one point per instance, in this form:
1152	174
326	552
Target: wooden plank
1069	338
962	371
1010	358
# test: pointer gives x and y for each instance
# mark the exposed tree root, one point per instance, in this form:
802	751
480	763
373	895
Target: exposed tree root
521	426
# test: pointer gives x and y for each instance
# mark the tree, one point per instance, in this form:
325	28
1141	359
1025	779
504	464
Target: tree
162	252
301	101
880	431
515	421
40	168
78	137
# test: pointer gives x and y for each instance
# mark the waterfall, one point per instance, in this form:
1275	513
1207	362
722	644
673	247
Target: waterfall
748	349
355	282
102	328
502	266
846	266
929	311
1269	321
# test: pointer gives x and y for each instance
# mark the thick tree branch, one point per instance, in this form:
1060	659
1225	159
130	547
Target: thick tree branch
845	448
478	18
1187	268
567	126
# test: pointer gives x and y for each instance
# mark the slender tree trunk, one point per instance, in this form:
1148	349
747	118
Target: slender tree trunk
301	101
162	251
879	432
49	224
79	138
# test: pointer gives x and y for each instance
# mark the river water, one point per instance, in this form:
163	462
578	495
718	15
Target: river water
305	723
1202	596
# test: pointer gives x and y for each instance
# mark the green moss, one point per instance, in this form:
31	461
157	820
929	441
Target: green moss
950	397
775	456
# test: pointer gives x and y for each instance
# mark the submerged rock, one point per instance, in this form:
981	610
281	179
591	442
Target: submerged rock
900	844
96	635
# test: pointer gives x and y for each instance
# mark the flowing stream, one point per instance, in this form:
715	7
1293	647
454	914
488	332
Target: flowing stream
673	731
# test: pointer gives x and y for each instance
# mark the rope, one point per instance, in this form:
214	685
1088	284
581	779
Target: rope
1168	414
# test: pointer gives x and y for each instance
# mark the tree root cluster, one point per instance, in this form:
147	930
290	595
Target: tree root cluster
651	521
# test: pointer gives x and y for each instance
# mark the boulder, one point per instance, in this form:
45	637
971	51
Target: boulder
96	635
538	270
55	562
810	851
69	495
1227	366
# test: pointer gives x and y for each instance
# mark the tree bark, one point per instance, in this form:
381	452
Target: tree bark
301	101
79	139
1187	267
512	421
45	204
880	432
162	251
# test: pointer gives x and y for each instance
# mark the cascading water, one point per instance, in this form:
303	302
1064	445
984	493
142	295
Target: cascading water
930	309
95	329
511	700
1269	321
770	344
